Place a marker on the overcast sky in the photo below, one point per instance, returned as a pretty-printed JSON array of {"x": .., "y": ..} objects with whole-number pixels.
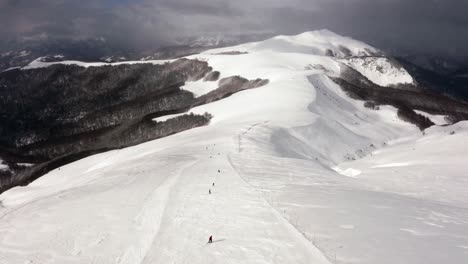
[{"x": 428, "y": 26}]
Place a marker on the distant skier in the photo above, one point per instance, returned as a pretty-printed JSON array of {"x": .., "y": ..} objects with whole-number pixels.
[
  {"x": 213, "y": 184},
  {"x": 219, "y": 171},
  {"x": 209, "y": 191},
  {"x": 210, "y": 240}
]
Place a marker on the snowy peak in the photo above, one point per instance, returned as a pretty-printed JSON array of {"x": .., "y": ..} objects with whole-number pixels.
[
  {"x": 331, "y": 44},
  {"x": 334, "y": 50},
  {"x": 321, "y": 42}
]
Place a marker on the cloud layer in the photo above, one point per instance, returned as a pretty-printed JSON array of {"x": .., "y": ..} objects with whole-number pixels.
[{"x": 428, "y": 26}]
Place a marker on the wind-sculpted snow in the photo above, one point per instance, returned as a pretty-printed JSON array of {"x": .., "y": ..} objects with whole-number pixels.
[{"x": 301, "y": 170}]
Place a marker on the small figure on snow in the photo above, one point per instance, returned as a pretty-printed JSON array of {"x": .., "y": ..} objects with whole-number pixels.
[
  {"x": 219, "y": 171},
  {"x": 209, "y": 191},
  {"x": 210, "y": 240},
  {"x": 213, "y": 184}
]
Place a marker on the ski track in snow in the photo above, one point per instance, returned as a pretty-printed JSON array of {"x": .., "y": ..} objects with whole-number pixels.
[{"x": 148, "y": 221}]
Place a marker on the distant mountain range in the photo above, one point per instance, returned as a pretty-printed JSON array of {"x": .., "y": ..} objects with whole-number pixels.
[{"x": 21, "y": 53}]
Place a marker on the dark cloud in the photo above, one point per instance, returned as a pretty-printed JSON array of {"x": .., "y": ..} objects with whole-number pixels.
[{"x": 426, "y": 26}]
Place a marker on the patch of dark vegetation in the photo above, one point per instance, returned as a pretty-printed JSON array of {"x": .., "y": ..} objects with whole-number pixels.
[
  {"x": 232, "y": 53},
  {"x": 408, "y": 115},
  {"x": 212, "y": 76},
  {"x": 371, "y": 105},
  {"x": 227, "y": 87},
  {"x": 56, "y": 115},
  {"x": 359, "y": 87},
  {"x": 38, "y": 103}
]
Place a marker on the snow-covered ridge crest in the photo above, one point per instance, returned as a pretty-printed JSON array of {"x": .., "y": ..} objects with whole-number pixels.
[
  {"x": 320, "y": 42},
  {"x": 367, "y": 60}
]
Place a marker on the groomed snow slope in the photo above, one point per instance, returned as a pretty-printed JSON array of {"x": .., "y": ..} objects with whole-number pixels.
[{"x": 277, "y": 196}]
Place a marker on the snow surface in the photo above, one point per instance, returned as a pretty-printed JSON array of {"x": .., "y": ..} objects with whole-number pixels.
[
  {"x": 315, "y": 42},
  {"x": 11, "y": 68},
  {"x": 439, "y": 120},
  {"x": 167, "y": 117},
  {"x": 380, "y": 71},
  {"x": 200, "y": 87},
  {"x": 277, "y": 196},
  {"x": 3, "y": 166}
]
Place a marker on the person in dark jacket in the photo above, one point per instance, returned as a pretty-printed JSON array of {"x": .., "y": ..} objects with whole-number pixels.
[{"x": 210, "y": 240}]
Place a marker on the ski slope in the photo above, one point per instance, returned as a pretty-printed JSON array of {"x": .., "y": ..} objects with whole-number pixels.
[{"x": 306, "y": 175}]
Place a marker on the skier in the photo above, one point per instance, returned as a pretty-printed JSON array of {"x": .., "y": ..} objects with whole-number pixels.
[
  {"x": 219, "y": 171},
  {"x": 213, "y": 184},
  {"x": 209, "y": 191},
  {"x": 210, "y": 240}
]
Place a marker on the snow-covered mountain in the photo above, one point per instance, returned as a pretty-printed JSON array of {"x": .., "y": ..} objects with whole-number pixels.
[{"x": 315, "y": 166}]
